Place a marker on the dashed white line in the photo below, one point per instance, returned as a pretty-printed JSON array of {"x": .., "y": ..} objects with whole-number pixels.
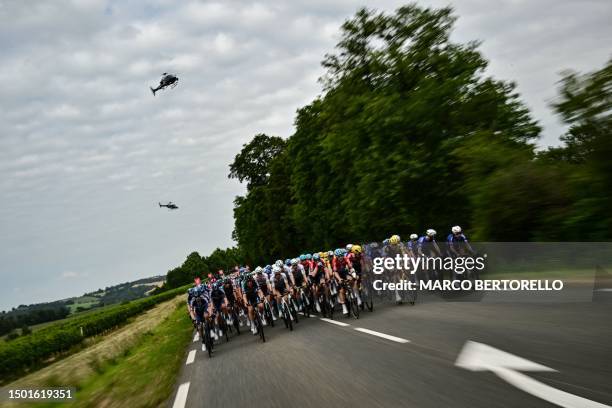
[
  {"x": 181, "y": 396},
  {"x": 190, "y": 357},
  {"x": 334, "y": 322},
  {"x": 383, "y": 335},
  {"x": 196, "y": 337}
]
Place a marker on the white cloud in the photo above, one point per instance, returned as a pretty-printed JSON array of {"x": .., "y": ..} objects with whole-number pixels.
[{"x": 88, "y": 151}]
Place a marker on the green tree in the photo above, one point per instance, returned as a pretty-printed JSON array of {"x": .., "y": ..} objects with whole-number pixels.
[
  {"x": 585, "y": 105},
  {"x": 252, "y": 163},
  {"x": 377, "y": 153}
]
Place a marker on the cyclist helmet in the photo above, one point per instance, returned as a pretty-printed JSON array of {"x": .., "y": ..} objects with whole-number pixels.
[
  {"x": 258, "y": 270},
  {"x": 278, "y": 262},
  {"x": 394, "y": 240},
  {"x": 302, "y": 257},
  {"x": 414, "y": 236},
  {"x": 338, "y": 252},
  {"x": 349, "y": 247},
  {"x": 295, "y": 261},
  {"x": 276, "y": 269},
  {"x": 374, "y": 245},
  {"x": 288, "y": 261},
  {"x": 356, "y": 249},
  {"x": 456, "y": 229},
  {"x": 308, "y": 257},
  {"x": 431, "y": 233},
  {"x": 330, "y": 253},
  {"x": 386, "y": 241},
  {"x": 316, "y": 256}
]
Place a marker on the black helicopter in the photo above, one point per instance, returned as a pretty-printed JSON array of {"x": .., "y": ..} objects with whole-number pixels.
[
  {"x": 170, "y": 205},
  {"x": 167, "y": 80}
]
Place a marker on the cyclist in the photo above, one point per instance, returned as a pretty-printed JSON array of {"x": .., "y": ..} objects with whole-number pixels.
[
  {"x": 265, "y": 288},
  {"x": 458, "y": 243},
  {"x": 428, "y": 247},
  {"x": 317, "y": 278},
  {"x": 305, "y": 263},
  {"x": 341, "y": 267},
  {"x": 355, "y": 256},
  {"x": 299, "y": 280},
  {"x": 219, "y": 301},
  {"x": 252, "y": 299},
  {"x": 200, "y": 305},
  {"x": 280, "y": 286},
  {"x": 412, "y": 244},
  {"x": 394, "y": 248},
  {"x": 191, "y": 293}
]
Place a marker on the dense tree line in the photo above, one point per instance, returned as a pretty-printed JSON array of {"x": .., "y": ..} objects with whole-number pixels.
[
  {"x": 410, "y": 133},
  {"x": 196, "y": 265},
  {"x": 30, "y": 315}
]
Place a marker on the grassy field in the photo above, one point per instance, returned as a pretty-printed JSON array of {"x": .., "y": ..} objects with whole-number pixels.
[
  {"x": 109, "y": 360},
  {"x": 144, "y": 376}
]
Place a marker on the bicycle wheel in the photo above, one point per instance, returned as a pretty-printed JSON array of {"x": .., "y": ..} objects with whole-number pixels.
[
  {"x": 288, "y": 321},
  {"x": 305, "y": 304},
  {"x": 268, "y": 314},
  {"x": 225, "y": 329},
  {"x": 208, "y": 339},
  {"x": 235, "y": 322},
  {"x": 323, "y": 305},
  {"x": 293, "y": 311},
  {"x": 260, "y": 328},
  {"x": 354, "y": 305}
]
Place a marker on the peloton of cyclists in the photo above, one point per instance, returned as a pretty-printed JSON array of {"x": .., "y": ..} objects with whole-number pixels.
[{"x": 318, "y": 276}]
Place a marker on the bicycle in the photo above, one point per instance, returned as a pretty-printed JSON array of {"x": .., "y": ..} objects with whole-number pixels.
[
  {"x": 259, "y": 325},
  {"x": 268, "y": 312},
  {"x": 350, "y": 299},
  {"x": 205, "y": 334},
  {"x": 284, "y": 311},
  {"x": 367, "y": 298}
]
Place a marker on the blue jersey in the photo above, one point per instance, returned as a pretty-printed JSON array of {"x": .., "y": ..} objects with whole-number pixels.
[
  {"x": 457, "y": 242},
  {"x": 200, "y": 296},
  {"x": 423, "y": 240},
  {"x": 427, "y": 246},
  {"x": 452, "y": 238},
  {"x": 412, "y": 245}
]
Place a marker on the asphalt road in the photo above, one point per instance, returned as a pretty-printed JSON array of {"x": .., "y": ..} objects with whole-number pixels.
[{"x": 321, "y": 364}]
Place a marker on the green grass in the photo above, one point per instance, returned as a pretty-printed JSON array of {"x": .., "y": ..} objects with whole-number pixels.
[{"x": 144, "y": 376}]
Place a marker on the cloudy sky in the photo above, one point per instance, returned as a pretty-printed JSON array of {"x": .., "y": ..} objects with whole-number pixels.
[{"x": 86, "y": 151}]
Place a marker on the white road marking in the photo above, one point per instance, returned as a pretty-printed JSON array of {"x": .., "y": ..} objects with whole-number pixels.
[
  {"x": 181, "y": 396},
  {"x": 196, "y": 337},
  {"x": 480, "y": 357},
  {"x": 383, "y": 335},
  {"x": 190, "y": 357},
  {"x": 334, "y": 322},
  {"x": 604, "y": 290}
]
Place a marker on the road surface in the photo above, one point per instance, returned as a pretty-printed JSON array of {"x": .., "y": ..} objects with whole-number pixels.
[{"x": 324, "y": 364}]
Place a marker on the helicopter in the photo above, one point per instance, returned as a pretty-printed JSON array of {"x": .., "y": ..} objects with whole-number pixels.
[
  {"x": 167, "y": 80},
  {"x": 170, "y": 205}
]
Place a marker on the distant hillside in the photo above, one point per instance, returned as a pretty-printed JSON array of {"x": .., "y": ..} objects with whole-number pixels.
[{"x": 24, "y": 316}]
